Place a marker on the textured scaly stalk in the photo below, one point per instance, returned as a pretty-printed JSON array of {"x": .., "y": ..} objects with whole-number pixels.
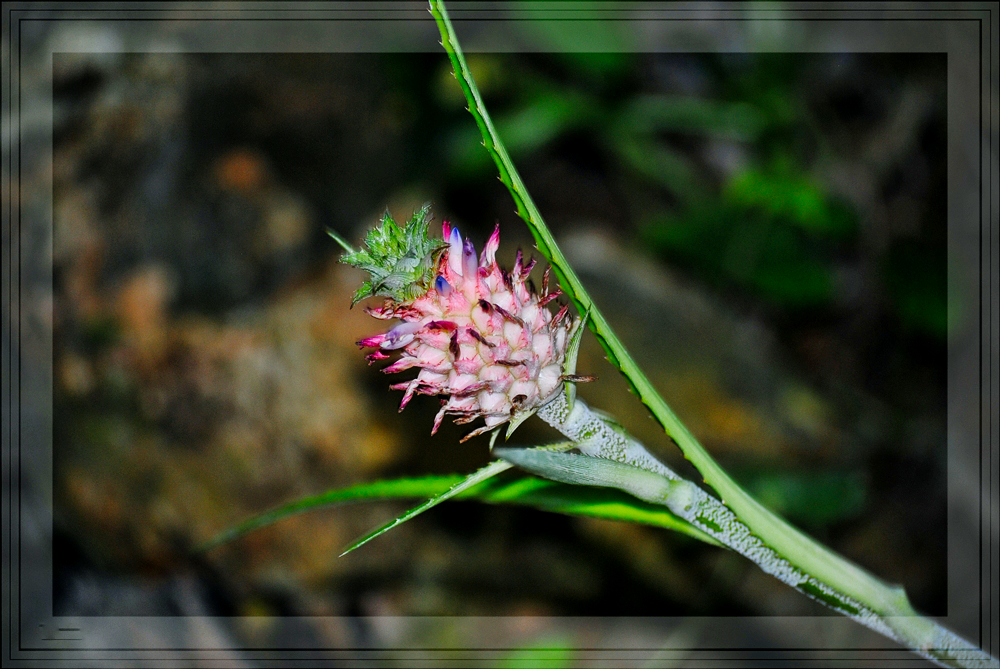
[{"x": 627, "y": 465}]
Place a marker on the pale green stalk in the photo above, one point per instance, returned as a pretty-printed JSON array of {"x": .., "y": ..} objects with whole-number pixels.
[{"x": 886, "y": 601}]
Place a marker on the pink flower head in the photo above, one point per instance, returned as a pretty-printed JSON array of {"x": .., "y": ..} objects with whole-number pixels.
[{"x": 481, "y": 337}]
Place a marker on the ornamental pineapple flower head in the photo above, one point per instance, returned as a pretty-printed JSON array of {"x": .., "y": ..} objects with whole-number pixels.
[{"x": 483, "y": 338}]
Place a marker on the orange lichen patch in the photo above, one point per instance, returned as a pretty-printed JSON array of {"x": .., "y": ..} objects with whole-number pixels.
[
  {"x": 312, "y": 543},
  {"x": 76, "y": 374},
  {"x": 82, "y": 294},
  {"x": 243, "y": 170},
  {"x": 225, "y": 418},
  {"x": 141, "y": 309},
  {"x": 94, "y": 498},
  {"x": 721, "y": 419},
  {"x": 377, "y": 448},
  {"x": 74, "y": 219},
  {"x": 331, "y": 322},
  {"x": 732, "y": 420},
  {"x": 288, "y": 222},
  {"x": 242, "y": 443}
]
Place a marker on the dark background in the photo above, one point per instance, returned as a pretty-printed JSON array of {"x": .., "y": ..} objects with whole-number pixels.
[{"x": 767, "y": 232}]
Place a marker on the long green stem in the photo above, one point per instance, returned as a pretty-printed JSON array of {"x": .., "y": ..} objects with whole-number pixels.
[{"x": 887, "y": 601}]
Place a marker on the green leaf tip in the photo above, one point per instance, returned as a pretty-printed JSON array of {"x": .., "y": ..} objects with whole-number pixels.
[
  {"x": 572, "y": 353},
  {"x": 515, "y": 422},
  {"x": 400, "y": 259},
  {"x": 344, "y": 244},
  {"x": 469, "y": 481}
]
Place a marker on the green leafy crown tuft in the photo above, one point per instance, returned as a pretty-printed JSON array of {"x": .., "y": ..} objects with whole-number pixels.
[{"x": 401, "y": 260}]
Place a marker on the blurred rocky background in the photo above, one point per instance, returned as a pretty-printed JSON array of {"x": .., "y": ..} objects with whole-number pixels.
[{"x": 766, "y": 231}]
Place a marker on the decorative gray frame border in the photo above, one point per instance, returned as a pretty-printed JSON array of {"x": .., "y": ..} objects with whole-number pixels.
[{"x": 32, "y": 637}]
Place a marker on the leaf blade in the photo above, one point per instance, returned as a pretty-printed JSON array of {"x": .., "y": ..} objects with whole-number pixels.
[
  {"x": 478, "y": 476},
  {"x": 524, "y": 490},
  {"x": 376, "y": 490}
]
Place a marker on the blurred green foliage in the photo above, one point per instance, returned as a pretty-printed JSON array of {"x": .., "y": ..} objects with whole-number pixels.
[
  {"x": 553, "y": 652},
  {"x": 917, "y": 280},
  {"x": 769, "y": 227},
  {"x": 758, "y": 218},
  {"x": 811, "y": 498},
  {"x": 770, "y": 230}
]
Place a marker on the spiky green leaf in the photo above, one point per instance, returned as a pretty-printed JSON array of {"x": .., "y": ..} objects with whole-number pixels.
[{"x": 401, "y": 260}]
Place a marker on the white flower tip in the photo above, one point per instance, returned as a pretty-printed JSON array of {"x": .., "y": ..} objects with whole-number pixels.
[
  {"x": 455, "y": 251},
  {"x": 400, "y": 336}
]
